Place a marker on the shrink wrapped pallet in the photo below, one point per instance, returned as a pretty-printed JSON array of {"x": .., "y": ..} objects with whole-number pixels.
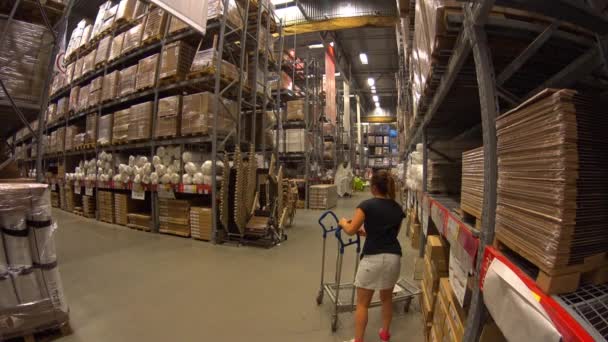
[
  {"x": 127, "y": 79},
  {"x": 24, "y": 60},
  {"x": 216, "y": 11},
  {"x": 141, "y": 8},
  {"x": 140, "y": 121},
  {"x": 296, "y": 140},
  {"x": 70, "y": 132},
  {"x": 323, "y": 196},
  {"x": 177, "y": 25},
  {"x": 201, "y": 223},
  {"x": 120, "y": 126},
  {"x": 169, "y": 115},
  {"x": 103, "y": 51},
  {"x": 105, "y": 127},
  {"x": 62, "y": 108},
  {"x": 100, "y": 18},
  {"x": 328, "y": 150},
  {"x": 73, "y": 103},
  {"x": 88, "y": 64},
  {"x": 132, "y": 39},
  {"x": 79, "y": 139},
  {"x": 109, "y": 90},
  {"x": 471, "y": 195},
  {"x": 116, "y": 47},
  {"x": 69, "y": 73},
  {"x": 78, "y": 68},
  {"x": 83, "y": 98},
  {"x": 75, "y": 38},
  {"x": 204, "y": 64},
  {"x": 125, "y": 11},
  {"x": 198, "y": 111},
  {"x": 155, "y": 25},
  {"x": 146, "y": 72},
  {"x": 91, "y": 129},
  {"x": 552, "y": 189},
  {"x": 174, "y": 217},
  {"x": 176, "y": 60},
  {"x": 108, "y": 19},
  {"x": 29, "y": 278},
  {"x": 51, "y": 113},
  {"x": 95, "y": 91},
  {"x": 285, "y": 81},
  {"x": 295, "y": 110}
]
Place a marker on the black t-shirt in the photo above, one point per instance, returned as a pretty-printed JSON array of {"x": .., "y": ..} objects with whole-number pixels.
[{"x": 382, "y": 223}]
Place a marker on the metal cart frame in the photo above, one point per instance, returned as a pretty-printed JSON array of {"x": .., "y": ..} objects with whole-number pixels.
[{"x": 405, "y": 291}]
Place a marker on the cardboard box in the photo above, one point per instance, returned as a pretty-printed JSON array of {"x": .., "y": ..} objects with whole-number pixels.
[
  {"x": 127, "y": 80},
  {"x": 169, "y": 115},
  {"x": 88, "y": 64},
  {"x": 95, "y": 91},
  {"x": 78, "y": 68},
  {"x": 73, "y": 103},
  {"x": 155, "y": 25},
  {"x": 198, "y": 112},
  {"x": 459, "y": 279},
  {"x": 430, "y": 276},
  {"x": 455, "y": 314},
  {"x": 176, "y": 60},
  {"x": 104, "y": 131},
  {"x": 103, "y": 51},
  {"x": 146, "y": 72},
  {"x": 426, "y": 304},
  {"x": 62, "y": 108},
  {"x": 91, "y": 129},
  {"x": 205, "y": 61},
  {"x": 440, "y": 315},
  {"x": 70, "y": 133},
  {"x": 83, "y": 98},
  {"x": 177, "y": 25},
  {"x": 116, "y": 47},
  {"x": 132, "y": 39},
  {"x": 125, "y": 11},
  {"x": 110, "y": 86},
  {"x": 140, "y": 121},
  {"x": 438, "y": 252},
  {"x": 416, "y": 231},
  {"x": 120, "y": 126}
]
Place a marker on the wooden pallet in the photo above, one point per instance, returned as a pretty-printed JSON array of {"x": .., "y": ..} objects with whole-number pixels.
[
  {"x": 174, "y": 232},
  {"x": 137, "y": 227},
  {"x": 51, "y": 334},
  {"x": 561, "y": 280},
  {"x": 143, "y": 88},
  {"x": 171, "y": 79},
  {"x": 86, "y": 146},
  {"x": 469, "y": 218}
]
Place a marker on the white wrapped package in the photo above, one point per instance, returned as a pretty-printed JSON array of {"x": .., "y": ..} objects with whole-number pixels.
[
  {"x": 9, "y": 296},
  {"x": 165, "y": 179},
  {"x": 156, "y": 160},
  {"x": 160, "y": 151},
  {"x": 186, "y": 179},
  {"x": 174, "y": 178},
  {"x": 154, "y": 178},
  {"x": 42, "y": 242},
  {"x": 198, "y": 178},
  {"x": 27, "y": 286},
  {"x": 131, "y": 160}
]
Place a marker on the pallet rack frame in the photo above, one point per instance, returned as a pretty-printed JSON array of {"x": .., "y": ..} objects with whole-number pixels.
[{"x": 472, "y": 40}]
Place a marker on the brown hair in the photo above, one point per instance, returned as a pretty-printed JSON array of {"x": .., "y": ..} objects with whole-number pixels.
[{"x": 384, "y": 183}]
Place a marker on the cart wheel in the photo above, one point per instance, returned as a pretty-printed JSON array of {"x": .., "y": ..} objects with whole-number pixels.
[
  {"x": 320, "y": 298},
  {"x": 334, "y": 324},
  {"x": 406, "y": 307}
]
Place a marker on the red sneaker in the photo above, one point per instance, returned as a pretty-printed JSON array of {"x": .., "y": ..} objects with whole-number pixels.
[{"x": 385, "y": 336}]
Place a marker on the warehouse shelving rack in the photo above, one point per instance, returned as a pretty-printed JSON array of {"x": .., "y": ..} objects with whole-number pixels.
[
  {"x": 472, "y": 38},
  {"x": 389, "y": 145},
  {"x": 231, "y": 43}
]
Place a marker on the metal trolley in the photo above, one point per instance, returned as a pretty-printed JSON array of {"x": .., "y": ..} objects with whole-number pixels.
[{"x": 342, "y": 295}]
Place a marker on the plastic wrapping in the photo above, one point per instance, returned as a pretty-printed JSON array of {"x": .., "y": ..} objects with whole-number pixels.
[
  {"x": 205, "y": 61},
  {"x": 109, "y": 90},
  {"x": 24, "y": 60},
  {"x": 215, "y": 10},
  {"x": 125, "y": 11},
  {"x": 177, "y": 25},
  {"x": 116, "y": 46},
  {"x": 75, "y": 38},
  {"x": 552, "y": 190},
  {"x": 70, "y": 133},
  {"x": 295, "y": 110},
  {"x": 169, "y": 115},
  {"x": 146, "y": 72},
  {"x": 51, "y": 113},
  {"x": 78, "y": 65},
  {"x": 296, "y": 140},
  {"x": 132, "y": 39},
  {"x": 120, "y": 126},
  {"x": 73, "y": 103},
  {"x": 140, "y": 121},
  {"x": 83, "y": 98},
  {"x": 176, "y": 60},
  {"x": 155, "y": 25},
  {"x": 197, "y": 114},
  {"x": 127, "y": 80},
  {"x": 103, "y": 51},
  {"x": 105, "y": 127},
  {"x": 95, "y": 91},
  {"x": 100, "y": 18},
  {"x": 88, "y": 64},
  {"x": 91, "y": 129}
]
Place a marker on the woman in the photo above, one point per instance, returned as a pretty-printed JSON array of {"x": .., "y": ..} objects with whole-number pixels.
[{"x": 381, "y": 257}]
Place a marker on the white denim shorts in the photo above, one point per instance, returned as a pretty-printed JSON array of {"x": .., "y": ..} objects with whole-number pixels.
[{"x": 378, "y": 271}]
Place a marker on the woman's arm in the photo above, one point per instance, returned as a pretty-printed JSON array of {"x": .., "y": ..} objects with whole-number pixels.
[{"x": 352, "y": 227}]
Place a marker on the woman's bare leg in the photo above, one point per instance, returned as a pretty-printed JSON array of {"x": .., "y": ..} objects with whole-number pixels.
[
  {"x": 364, "y": 297},
  {"x": 386, "y": 296}
]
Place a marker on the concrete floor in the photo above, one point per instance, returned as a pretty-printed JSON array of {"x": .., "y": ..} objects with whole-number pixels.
[{"x": 127, "y": 285}]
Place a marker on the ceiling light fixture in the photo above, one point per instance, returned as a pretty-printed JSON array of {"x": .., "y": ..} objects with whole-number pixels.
[
  {"x": 371, "y": 82},
  {"x": 373, "y": 90},
  {"x": 337, "y": 74},
  {"x": 363, "y": 58},
  {"x": 315, "y": 46},
  {"x": 375, "y": 97},
  {"x": 377, "y": 104}
]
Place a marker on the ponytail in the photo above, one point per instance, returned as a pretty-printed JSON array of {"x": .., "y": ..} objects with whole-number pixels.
[{"x": 390, "y": 188}]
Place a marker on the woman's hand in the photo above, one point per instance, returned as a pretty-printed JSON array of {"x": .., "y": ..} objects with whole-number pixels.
[
  {"x": 343, "y": 223},
  {"x": 361, "y": 232}
]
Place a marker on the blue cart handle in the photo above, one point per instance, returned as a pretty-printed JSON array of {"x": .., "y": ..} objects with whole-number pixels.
[
  {"x": 356, "y": 241},
  {"x": 332, "y": 228}
]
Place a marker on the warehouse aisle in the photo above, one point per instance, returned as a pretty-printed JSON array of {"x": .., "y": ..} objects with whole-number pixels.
[{"x": 126, "y": 285}]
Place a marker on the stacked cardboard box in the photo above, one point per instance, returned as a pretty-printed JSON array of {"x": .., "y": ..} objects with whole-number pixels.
[
  {"x": 116, "y": 47},
  {"x": 120, "y": 126},
  {"x": 435, "y": 267},
  {"x": 88, "y": 64},
  {"x": 449, "y": 318},
  {"x": 205, "y": 61},
  {"x": 73, "y": 103},
  {"x": 177, "y": 25},
  {"x": 201, "y": 223},
  {"x": 104, "y": 13},
  {"x": 62, "y": 108},
  {"x": 78, "y": 65},
  {"x": 198, "y": 111},
  {"x": 155, "y": 25},
  {"x": 103, "y": 51},
  {"x": 70, "y": 200},
  {"x": 106, "y": 206},
  {"x": 83, "y": 98},
  {"x": 132, "y": 39},
  {"x": 169, "y": 115},
  {"x": 323, "y": 196},
  {"x": 146, "y": 72},
  {"x": 127, "y": 80},
  {"x": 233, "y": 15},
  {"x": 51, "y": 113},
  {"x": 140, "y": 121},
  {"x": 174, "y": 217},
  {"x": 91, "y": 129},
  {"x": 296, "y": 140},
  {"x": 88, "y": 206},
  {"x": 295, "y": 110},
  {"x": 70, "y": 134},
  {"x": 105, "y": 127},
  {"x": 79, "y": 36},
  {"x": 110, "y": 86},
  {"x": 176, "y": 60},
  {"x": 121, "y": 209},
  {"x": 95, "y": 91},
  {"x": 140, "y": 221},
  {"x": 125, "y": 11}
]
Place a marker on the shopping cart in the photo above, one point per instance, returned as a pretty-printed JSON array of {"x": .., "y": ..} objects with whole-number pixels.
[{"x": 342, "y": 295}]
